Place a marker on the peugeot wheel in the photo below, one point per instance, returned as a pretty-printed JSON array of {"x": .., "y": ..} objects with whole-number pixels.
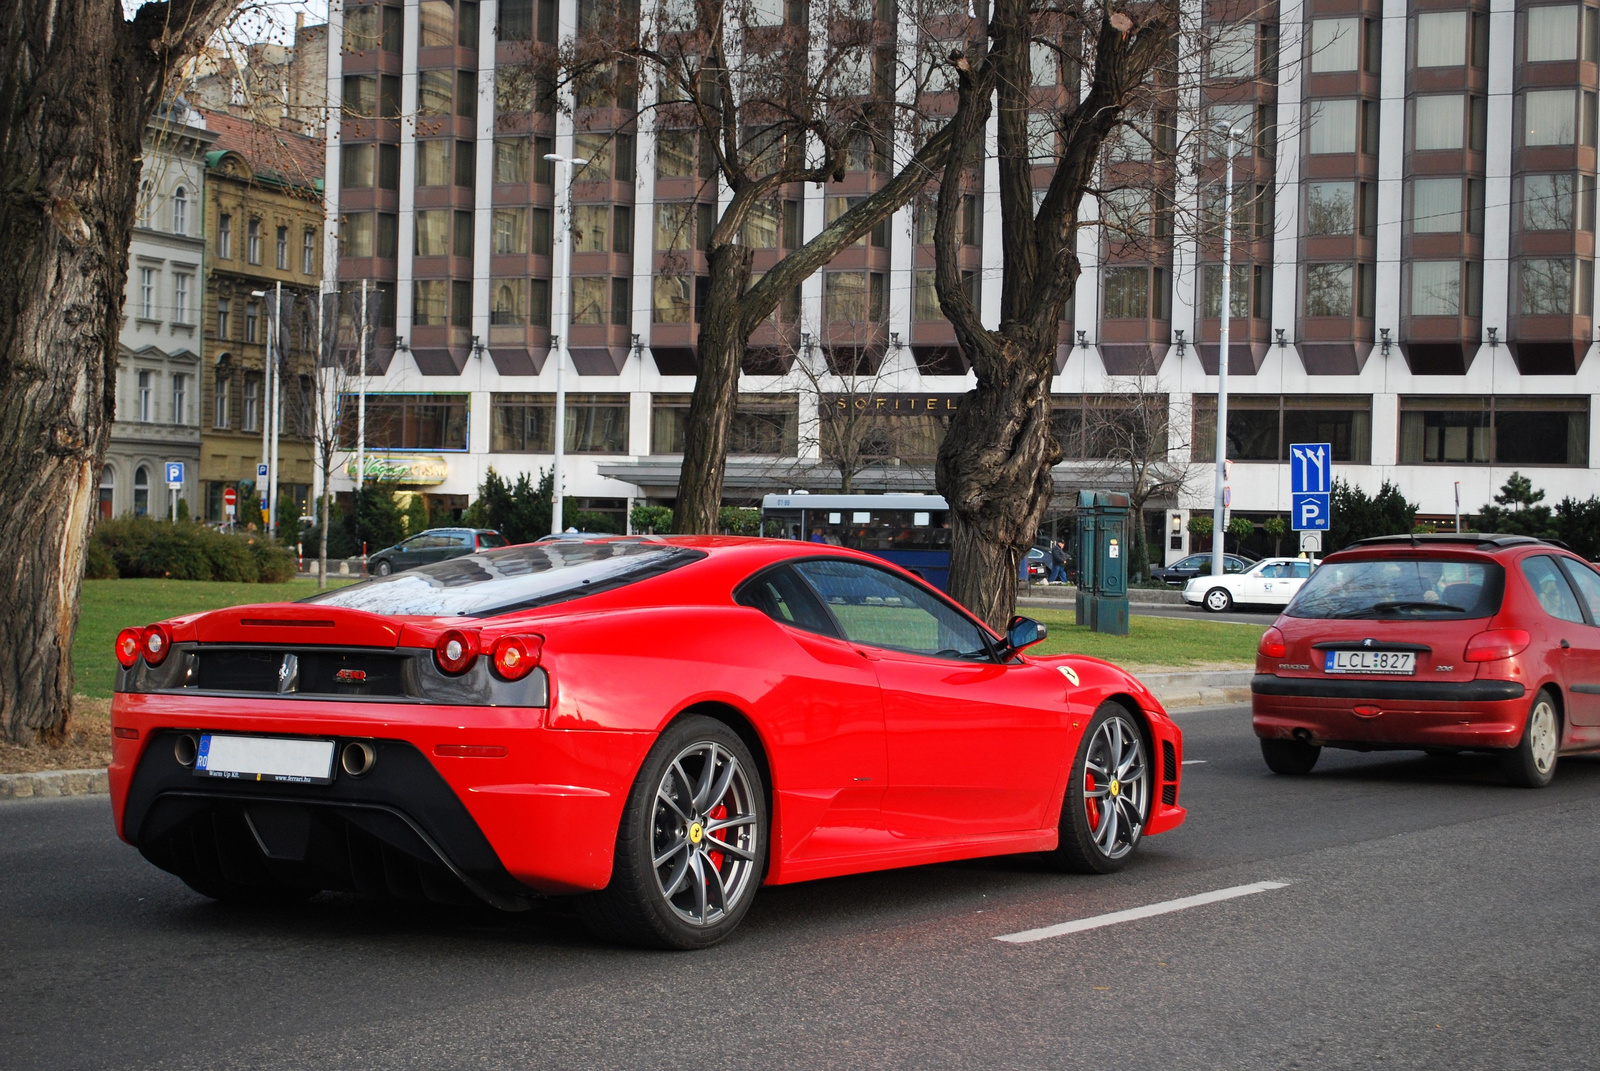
[
  {"x": 1292, "y": 758},
  {"x": 382, "y": 568},
  {"x": 1108, "y": 795},
  {"x": 691, "y": 848},
  {"x": 1532, "y": 763}
]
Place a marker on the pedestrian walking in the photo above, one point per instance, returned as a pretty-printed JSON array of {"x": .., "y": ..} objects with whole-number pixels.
[{"x": 1058, "y": 563}]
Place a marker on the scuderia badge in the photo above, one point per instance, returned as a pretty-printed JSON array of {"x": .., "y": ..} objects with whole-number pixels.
[{"x": 1069, "y": 673}]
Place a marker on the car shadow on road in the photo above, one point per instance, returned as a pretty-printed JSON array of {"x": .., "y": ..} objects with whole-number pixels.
[{"x": 1465, "y": 768}]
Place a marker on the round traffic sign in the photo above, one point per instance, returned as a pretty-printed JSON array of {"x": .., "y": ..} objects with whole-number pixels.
[{"x": 230, "y": 497}]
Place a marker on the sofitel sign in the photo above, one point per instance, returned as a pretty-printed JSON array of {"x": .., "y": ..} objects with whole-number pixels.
[
  {"x": 391, "y": 469},
  {"x": 895, "y": 403}
]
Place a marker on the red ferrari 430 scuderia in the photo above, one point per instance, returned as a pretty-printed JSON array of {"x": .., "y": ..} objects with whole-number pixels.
[{"x": 657, "y": 725}]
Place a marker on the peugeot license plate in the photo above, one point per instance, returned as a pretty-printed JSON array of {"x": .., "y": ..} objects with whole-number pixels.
[
  {"x": 1365, "y": 661},
  {"x": 265, "y": 758}
]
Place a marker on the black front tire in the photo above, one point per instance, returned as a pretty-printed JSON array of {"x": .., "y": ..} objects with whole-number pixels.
[
  {"x": 635, "y": 909},
  {"x": 1082, "y": 848},
  {"x": 1292, "y": 758},
  {"x": 382, "y": 568}
]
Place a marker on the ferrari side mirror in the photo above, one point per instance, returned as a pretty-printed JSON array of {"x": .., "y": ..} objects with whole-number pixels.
[{"x": 1024, "y": 632}]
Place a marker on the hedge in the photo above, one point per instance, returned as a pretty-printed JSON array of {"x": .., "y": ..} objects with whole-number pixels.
[{"x": 182, "y": 550}]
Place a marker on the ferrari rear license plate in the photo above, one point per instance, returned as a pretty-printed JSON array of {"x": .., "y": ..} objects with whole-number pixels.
[
  {"x": 1364, "y": 661},
  {"x": 265, "y": 758}
]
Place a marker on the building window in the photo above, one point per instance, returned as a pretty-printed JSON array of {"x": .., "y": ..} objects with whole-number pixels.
[
  {"x": 252, "y": 403},
  {"x": 1329, "y": 289},
  {"x": 1435, "y": 288},
  {"x": 430, "y": 302},
  {"x": 141, "y": 491},
  {"x": 589, "y": 299},
  {"x": 1335, "y": 45},
  {"x": 180, "y": 211},
  {"x": 1549, "y": 117},
  {"x": 308, "y": 252},
  {"x": 108, "y": 489},
  {"x": 252, "y": 320},
  {"x": 672, "y": 299},
  {"x": 1239, "y": 291},
  {"x": 355, "y": 234},
  {"x": 1335, "y": 126},
  {"x": 1545, "y": 287},
  {"x": 1441, "y": 38},
  {"x": 283, "y": 249},
  {"x": 1500, "y": 431},
  {"x": 1557, "y": 202},
  {"x": 225, "y": 236},
  {"x": 436, "y": 23},
  {"x": 853, "y": 297},
  {"x": 147, "y": 293},
  {"x": 1552, "y": 33},
  {"x": 1263, "y": 427},
  {"x": 433, "y": 232},
  {"x": 763, "y": 424},
  {"x": 433, "y": 163},
  {"x": 180, "y": 297},
  {"x": 461, "y": 303},
  {"x": 146, "y": 402},
  {"x": 539, "y": 302},
  {"x": 509, "y": 231},
  {"x": 600, "y": 150},
  {"x": 1335, "y": 208},
  {"x": 253, "y": 242},
  {"x": 509, "y": 306},
  {"x": 511, "y": 161},
  {"x": 1127, "y": 293},
  {"x": 1438, "y": 122},
  {"x": 224, "y": 318},
  {"x": 221, "y": 414},
  {"x": 408, "y": 421},
  {"x": 180, "y": 398},
  {"x": 524, "y": 423}
]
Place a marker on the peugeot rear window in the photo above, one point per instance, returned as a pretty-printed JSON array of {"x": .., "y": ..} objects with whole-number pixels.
[
  {"x": 1410, "y": 588},
  {"x": 511, "y": 578}
]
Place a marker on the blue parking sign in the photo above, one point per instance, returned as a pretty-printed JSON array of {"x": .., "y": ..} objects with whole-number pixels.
[
  {"x": 174, "y": 474},
  {"x": 1309, "y": 513}
]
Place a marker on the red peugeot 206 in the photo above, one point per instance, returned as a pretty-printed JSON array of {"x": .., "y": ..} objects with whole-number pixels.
[
  {"x": 656, "y": 725},
  {"x": 1440, "y": 643}
]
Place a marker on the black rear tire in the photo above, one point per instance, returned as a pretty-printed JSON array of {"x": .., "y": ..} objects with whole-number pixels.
[
  {"x": 635, "y": 908},
  {"x": 382, "y": 568},
  {"x": 1291, "y": 758},
  {"x": 1532, "y": 763}
]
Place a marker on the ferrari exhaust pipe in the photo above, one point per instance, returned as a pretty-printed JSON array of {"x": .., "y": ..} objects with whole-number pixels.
[
  {"x": 186, "y": 749},
  {"x": 357, "y": 758}
]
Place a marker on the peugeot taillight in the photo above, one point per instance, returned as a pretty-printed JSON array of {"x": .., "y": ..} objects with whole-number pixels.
[
  {"x": 1272, "y": 644},
  {"x": 129, "y": 643},
  {"x": 156, "y": 641},
  {"x": 1496, "y": 644},
  {"x": 516, "y": 656},
  {"x": 456, "y": 651}
]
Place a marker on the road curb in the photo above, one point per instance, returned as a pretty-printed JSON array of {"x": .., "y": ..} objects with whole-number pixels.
[
  {"x": 53, "y": 783},
  {"x": 1204, "y": 688}
]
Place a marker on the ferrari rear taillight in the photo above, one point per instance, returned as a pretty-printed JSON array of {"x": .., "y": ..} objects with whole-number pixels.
[
  {"x": 1272, "y": 644},
  {"x": 129, "y": 642},
  {"x": 456, "y": 651},
  {"x": 1496, "y": 644},
  {"x": 516, "y": 656},
  {"x": 156, "y": 641}
]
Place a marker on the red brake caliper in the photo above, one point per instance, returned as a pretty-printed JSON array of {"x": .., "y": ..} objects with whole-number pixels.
[
  {"x": 1091, "y": 805},
  {"x": 716, "y": 814}
]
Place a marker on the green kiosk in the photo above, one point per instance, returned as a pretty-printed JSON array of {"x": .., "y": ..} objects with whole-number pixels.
[{"x": 1103, "y": 561}]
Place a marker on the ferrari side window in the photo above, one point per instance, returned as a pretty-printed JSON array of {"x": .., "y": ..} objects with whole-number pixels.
[
  {"x": 878, "y": 609},
  {"x": 786, "y": 599}
]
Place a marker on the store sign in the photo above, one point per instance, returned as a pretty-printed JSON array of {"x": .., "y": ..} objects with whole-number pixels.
[
  {"x": 895, "y": 403},
  {"x": 389, "y": 468}
]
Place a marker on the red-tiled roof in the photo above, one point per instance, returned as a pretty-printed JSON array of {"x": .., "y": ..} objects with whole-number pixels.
[{"x": 281, "y": 154}]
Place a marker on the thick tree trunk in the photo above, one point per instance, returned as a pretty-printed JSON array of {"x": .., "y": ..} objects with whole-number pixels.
[
  {"x": 77, "y": 86},
  {"x": 994, "y": 471},
  {"x": 716, "y": 390}
]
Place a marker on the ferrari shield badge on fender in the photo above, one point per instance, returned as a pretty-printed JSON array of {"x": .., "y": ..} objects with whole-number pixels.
[{"x": 1069, "y": 673}]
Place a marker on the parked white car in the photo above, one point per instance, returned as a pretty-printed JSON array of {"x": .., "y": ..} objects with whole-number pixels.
[{"x": 1269, "y": 582}]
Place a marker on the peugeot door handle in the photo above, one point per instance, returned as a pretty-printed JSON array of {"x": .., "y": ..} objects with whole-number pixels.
[{"x": 1565, "y": 645}]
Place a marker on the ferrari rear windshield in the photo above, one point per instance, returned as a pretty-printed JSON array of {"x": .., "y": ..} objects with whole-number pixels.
[
  {"x": 511, "y": 578},
  {"x": 1434, "y": 589}
]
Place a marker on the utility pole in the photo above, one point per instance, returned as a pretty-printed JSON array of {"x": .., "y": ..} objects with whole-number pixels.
[
  {"x": 275, "y": 356},
  {"x": 563, "y": 325},
  {"x": 1218, "y": 508},
  {"x": 361, "y": 400}
]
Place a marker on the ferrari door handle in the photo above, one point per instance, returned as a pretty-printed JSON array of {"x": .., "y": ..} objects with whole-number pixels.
[{"x": 868, "y": 655}]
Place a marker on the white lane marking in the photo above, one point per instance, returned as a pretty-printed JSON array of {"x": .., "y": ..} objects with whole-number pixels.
[
  {"x": 1194, "y": 762},
  {"x": 1165, "y": 907}
]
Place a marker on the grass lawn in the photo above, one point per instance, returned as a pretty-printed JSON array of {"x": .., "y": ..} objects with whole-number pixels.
[
  {"x": 1152, "y": 641},
  {"x": 109, "y": 606}
]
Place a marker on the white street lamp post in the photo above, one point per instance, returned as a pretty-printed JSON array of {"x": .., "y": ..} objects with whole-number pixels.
[
  {"x": 1218, "y": 508},
  {"x": 563, "y": 326}
]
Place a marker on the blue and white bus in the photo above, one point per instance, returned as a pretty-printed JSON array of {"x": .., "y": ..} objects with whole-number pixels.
[{"x": 913, "y": 531}]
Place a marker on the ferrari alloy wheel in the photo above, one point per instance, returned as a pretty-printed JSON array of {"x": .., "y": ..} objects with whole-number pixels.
[
  {"x": 692, "y": 845},
  {"x": 1532, "y": 763},
  {"x": 1218, "y": 601},
  {"x": 1108, "y": 795}
]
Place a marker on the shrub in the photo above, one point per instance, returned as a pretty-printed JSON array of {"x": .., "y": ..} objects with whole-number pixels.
[
  {"x": 182, "y": 550},
  {"x": 734, "y": 520},
  {"x": 99, "y": 566},
  {"x": 652, "y": 520}
]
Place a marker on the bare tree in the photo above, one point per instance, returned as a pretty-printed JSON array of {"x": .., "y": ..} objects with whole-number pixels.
[
  {"x": 773, "y": 103},
  {"x": 1136, "y": 442},
  {"x": 79, "y": 82},
  {"x": 338, "y": 366}
]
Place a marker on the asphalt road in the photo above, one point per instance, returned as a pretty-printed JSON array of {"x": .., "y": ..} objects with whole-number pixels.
[{"x": 1433, "y": 917}]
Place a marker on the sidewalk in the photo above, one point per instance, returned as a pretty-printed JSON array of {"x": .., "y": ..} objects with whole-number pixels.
[{"x": 1058, "y": 596}]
